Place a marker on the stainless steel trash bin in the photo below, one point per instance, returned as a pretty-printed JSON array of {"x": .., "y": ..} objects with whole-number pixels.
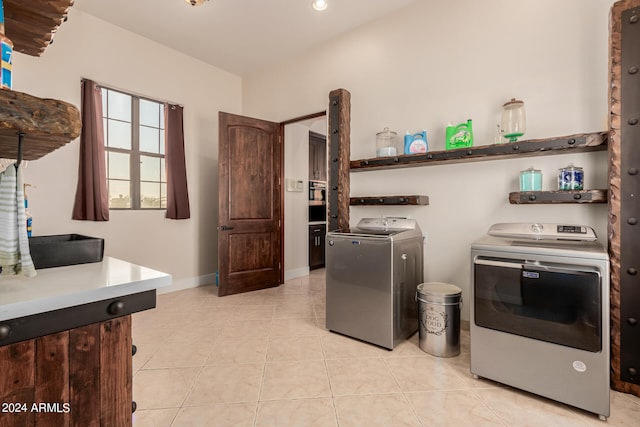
[{"x": 439, "y": 317}]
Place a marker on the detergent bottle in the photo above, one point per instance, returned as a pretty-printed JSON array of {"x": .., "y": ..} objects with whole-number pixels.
[
  {"x": 415, "y": 143},
  {"x": 6, "y": 53},
  {"x": 459, "y": 136}
]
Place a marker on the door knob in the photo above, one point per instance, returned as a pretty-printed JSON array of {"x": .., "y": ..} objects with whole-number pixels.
[{"x": 224, "y": 228}]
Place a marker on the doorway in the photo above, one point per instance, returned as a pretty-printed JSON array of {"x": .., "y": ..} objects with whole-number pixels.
[{"x": 300, "y": 236}]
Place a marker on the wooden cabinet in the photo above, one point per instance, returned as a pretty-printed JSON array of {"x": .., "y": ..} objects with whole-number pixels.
[
  {"x": 78, "y": 377},
  {"x": 317, "y": 157},
  {"x": 317, "y": 235}
]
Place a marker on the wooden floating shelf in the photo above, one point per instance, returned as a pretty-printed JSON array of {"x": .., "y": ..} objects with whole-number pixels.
[
  {"x": 534, "y": 147},
  {"x": 47, "y": 124},
  {"x": 389, "y": 200},
  {"x": 551, "y": 197},
  {"x": 31, "y": 25}
]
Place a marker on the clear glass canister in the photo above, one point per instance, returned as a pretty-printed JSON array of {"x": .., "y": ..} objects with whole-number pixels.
[
  {"x": 571, "y": 178},
  {"x": 531, "y": 180},
  {"x": 514, "y": 119},
  {"x": 386, "y": 144}
]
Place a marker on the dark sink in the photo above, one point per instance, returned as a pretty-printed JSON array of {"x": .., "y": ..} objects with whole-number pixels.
[{"x": 65, "y": 249}]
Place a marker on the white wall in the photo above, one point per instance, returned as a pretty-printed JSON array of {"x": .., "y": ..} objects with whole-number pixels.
[
  {"x": 87, "y": 47},
  {"x": 435, "y": 62}
]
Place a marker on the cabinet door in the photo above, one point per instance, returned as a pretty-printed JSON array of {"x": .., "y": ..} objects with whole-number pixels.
[
  {"x": 317, "y": 157},
  {"x": 316, "y": 246}
]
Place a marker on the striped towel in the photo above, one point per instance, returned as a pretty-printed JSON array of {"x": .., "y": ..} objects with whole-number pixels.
[{"x": 14, "y": 243}]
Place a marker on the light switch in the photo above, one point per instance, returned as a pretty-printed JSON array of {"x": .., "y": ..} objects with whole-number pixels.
[{"x": 294, "y": 185}]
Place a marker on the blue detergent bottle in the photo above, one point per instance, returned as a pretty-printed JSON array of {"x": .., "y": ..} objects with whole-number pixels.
[{"x": 416, "y": 143}]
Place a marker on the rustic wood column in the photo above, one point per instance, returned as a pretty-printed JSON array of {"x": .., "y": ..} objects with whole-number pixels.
[
  {"x": 339, "y": 153},
  {"x": 624, "y": 195}
]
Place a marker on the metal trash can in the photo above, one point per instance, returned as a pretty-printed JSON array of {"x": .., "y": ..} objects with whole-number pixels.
[{"x": 439, "y": 317}]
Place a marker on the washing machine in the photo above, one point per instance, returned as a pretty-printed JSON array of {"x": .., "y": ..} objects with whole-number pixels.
[{"x": 372, "y": 272}]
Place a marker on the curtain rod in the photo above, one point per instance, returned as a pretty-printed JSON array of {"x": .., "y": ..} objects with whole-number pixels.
[{"x": 106, "y": 86}]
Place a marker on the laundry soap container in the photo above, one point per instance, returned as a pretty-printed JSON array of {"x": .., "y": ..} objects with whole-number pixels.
[{"x": 439, "y": 306}]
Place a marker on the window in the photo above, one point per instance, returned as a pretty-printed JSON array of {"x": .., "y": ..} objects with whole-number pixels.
[{"x": 134, "y": 151}]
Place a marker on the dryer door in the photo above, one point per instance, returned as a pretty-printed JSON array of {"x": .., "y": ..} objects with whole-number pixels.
[{"x": 556, "y": 303}]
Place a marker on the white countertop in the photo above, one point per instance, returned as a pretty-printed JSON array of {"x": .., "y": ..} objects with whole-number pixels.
[{"x": 62, "y": 287}]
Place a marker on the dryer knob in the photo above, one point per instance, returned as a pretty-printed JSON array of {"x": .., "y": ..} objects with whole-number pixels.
[
  {"x": 536, "y": 228},
  {"x": 330, "y": 242}
]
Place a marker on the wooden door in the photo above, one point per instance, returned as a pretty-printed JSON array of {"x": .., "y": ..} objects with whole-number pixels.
[{"x": 250, "y": 204}]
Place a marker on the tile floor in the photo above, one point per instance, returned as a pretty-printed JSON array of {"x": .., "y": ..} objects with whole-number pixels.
[{"x": 265, "y": 359}]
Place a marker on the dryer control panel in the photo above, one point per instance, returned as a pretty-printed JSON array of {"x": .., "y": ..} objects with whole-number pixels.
[{"x": 543, "y": 231}]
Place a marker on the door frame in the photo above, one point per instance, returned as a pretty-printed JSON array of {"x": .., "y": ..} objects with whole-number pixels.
[{"x": 282, "y": 187}]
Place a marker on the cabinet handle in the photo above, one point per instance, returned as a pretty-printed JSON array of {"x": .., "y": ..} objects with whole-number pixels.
[
  {"x": 5, "y": 331},
  {"x": 116, "y": 307}
]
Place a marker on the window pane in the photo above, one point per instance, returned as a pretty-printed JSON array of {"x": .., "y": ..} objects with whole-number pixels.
[
  {"x": 119, "y": 194},
  {"x": 119, "y": 106},
  {"x": 162, "y": 142},
  {"x": 149, "y": 168},
  {"x": 149, "y": 195},
  {"x": 119, "y": 166},
  {"x": 163, "y": 194},
  {"x": 163, "y": 170},
  {"x": 149, "y": 113},
  {"x": 161, "y": 116},
  {"x": 119, "y": 134},
  {"x": 105, "y": 94},
  {"x": 149, "y": 139}
]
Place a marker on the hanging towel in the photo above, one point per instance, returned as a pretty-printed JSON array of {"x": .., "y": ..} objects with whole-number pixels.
[{"x": 14, "y": 243}]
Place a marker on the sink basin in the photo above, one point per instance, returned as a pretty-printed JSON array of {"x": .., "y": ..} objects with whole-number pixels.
[{"x": 65, "y": 249}]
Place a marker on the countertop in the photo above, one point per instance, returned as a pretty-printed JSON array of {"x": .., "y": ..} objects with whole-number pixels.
[{"x": 63, "y": 287}]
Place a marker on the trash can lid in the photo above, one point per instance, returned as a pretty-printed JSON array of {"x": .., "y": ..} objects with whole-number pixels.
[{"x": 438, "y": 289}]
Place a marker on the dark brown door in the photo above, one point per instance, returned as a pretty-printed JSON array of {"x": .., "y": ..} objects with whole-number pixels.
[{"x": 250, "y": 204}]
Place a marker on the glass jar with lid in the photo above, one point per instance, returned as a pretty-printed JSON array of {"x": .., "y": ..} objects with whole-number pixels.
[
  {"x": 386, "y": 144},
  {"x": 514, "y": 120},
  {"x": 531, "y": 180},
  {"x": 570, "y": 178}
]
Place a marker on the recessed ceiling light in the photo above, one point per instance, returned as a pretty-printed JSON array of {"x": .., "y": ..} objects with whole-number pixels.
[
  {"x": 195, "y": 2},
  {"x": 319, "y": 4}
]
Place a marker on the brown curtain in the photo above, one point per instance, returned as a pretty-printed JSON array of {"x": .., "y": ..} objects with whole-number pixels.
[
  {"x": 92, "y": 200},
  {"x": 177, "y": 194}
]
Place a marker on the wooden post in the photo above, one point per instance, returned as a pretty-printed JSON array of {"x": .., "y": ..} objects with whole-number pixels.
[
  {"x": 624, "y": 182},
  {"x": 339, "y": 153}
]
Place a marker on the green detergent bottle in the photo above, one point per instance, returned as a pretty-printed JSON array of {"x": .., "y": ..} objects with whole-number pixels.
[{"x": 459, "y": 136}]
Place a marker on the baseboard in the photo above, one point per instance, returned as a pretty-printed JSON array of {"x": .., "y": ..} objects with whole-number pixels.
[
  {"x": 298, "y": 272},
  {"x": 192, "y": 282}
]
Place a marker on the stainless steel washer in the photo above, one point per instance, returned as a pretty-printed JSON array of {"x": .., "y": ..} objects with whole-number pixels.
[
  {"x": 540, "y": 312},
  {"x": 372, "y": 272}
]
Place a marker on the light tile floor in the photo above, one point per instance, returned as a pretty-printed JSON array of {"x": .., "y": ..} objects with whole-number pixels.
[{"x": 265, "y": 359}]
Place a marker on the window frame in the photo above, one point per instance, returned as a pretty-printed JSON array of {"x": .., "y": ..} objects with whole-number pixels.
[{"x": 135, "y": 153}]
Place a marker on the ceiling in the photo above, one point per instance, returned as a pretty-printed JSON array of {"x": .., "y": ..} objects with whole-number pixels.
[{"x": 240, "y": 36}]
